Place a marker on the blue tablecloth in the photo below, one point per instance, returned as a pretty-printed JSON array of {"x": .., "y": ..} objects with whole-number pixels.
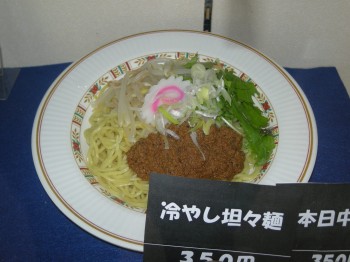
[{"x": 32, "y": 228}]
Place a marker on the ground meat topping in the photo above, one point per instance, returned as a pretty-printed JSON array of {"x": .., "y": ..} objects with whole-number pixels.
[{"x": 222, "y": 149}]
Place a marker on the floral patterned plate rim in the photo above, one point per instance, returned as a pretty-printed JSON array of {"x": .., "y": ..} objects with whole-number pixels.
[{"x": 53, "y": 146}]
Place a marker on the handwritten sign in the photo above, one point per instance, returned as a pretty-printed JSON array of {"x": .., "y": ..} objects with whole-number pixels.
[{"x": 204, "y": 220}]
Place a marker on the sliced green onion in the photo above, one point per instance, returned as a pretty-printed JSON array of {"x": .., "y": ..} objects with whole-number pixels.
[{"x": 168, "y": 116}]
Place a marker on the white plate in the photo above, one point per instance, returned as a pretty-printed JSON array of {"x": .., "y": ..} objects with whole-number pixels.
[{"x": 58, "y": 165}]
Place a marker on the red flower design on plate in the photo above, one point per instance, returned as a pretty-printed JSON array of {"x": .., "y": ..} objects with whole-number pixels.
[
  {"x": 76, "y": 146},
  {"x": 265, "y": 166},
  {"x": 151, "y": 57},
  {"x": 266, "y": 106},
  {"x": 94, "y": 89}
]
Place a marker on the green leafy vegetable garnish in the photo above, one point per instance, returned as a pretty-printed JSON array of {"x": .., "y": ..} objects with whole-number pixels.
[{"x": 243, "y": 110}]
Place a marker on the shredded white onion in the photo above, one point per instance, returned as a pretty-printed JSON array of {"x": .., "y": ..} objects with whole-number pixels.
[
  {"x": 193, "y": 136},
  {"x": 172, "y": 133}
]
